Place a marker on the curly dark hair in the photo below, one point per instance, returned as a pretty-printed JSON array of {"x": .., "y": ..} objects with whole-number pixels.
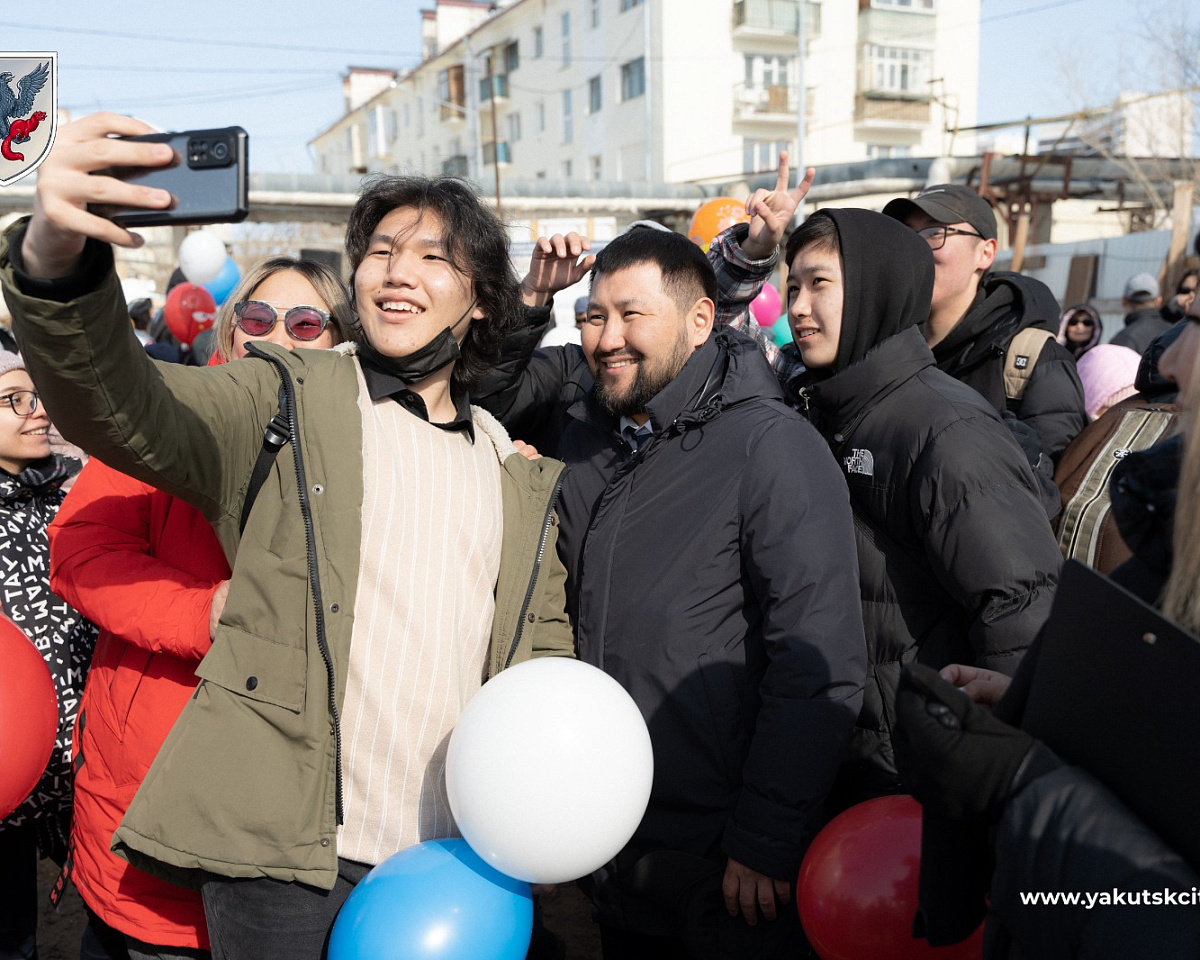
[{"x": 476, "y": 243}]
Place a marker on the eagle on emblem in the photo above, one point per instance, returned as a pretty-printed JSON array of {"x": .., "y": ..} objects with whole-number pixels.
[{"x": 14, "y": 106}]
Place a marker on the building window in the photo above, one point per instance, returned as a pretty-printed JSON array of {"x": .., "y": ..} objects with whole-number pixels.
[
  {"x": 762, "y": 156},
  {"x": 512, "y": 57},
  {"x": 630, "y": 4},
  {"x": 595, "y": 13},
  {"x": 539, "y": 43},
  {"x": 897, "y": 69},
  {"x": 568, "y": 120},
  {"x": 514, "y": 127},
  {"x": 910, "y": 4},
  {"x": 768, "y": 71},
  {"x": 596, "y": 161},
  {"x": 541, "y": 116},
  {"x": 566, "y": 39},
  {"x": 633, "y": 78},
  {"x": 594, "y": 95},
  {"x": 566, "y": 169}
]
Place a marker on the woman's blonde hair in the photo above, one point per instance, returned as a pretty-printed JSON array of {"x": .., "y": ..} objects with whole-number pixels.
[
  {"x": 1181, "y": 597},
  {"x": 324, "y": 281}
]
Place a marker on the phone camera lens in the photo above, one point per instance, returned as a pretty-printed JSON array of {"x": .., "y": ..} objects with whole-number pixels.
[{"x": 220, "y": 151}]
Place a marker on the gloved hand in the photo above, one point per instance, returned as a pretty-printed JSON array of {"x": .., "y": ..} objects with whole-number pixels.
[
  {"x": 953, "y": 755},
  {"x": 1026, "y": 436}
]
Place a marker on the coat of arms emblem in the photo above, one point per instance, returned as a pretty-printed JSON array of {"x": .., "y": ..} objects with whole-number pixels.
[{"x": 28, "y": 112}]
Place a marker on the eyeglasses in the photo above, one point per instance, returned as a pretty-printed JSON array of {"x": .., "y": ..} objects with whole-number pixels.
[
  {"x": 1081, "y": 322},
  {"x": 23, "y": 402},
  {"x": 936, "y": 236},
  {"x": 257, "y": 319}
]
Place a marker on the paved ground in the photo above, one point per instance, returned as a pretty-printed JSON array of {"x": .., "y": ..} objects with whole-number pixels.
[{"x": 566, "y": 911}]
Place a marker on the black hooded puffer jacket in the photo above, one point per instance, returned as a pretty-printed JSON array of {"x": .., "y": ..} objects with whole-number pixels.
[{"x": 957, "y": 562}]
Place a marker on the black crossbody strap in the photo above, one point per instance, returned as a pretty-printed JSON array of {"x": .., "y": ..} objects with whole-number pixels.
[{"x": 277, "y": 433}]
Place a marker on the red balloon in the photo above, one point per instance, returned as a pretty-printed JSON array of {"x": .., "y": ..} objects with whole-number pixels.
[
  {"x": 28, "y": 716},
  {"x": 188, "y": 310},
  {"x": 857, "y": 891}
]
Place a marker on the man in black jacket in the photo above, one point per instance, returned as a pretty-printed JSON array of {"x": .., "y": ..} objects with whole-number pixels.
[
  {"x": 1144, "y": 321},
  {"x": 977, "y": 314},
  {"x": 711, "y": 570}
]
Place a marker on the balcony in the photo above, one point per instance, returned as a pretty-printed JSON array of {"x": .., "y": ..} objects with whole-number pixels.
[
  {"x": 452, "y": 95},
  {"x": 494, "y": 150},
  {"x": 456, "y": 166},
  {"x": 881, "y": 109},
  {"x": 763, "y": 19},
  {"x": 764, "y": 103},
  {"x": 494, "y": 87}
]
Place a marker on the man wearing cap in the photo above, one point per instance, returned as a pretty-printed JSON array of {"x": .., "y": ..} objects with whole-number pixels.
[
  {"x": 977, "y": 314},
  {"x": 1144, "y": 321}
]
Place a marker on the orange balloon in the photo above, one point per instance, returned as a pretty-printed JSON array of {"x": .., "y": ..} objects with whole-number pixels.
[
  {"x": 713, "y": 217},
  {"x": 857, "y": 890},
  {"x": 28, "y": 716}
]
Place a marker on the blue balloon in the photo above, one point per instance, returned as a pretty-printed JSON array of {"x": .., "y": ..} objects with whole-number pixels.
[
  {"x": 437, "y": 899},
  {"x": 221, "y": 286},
  {"x": 782, "y": 331}
]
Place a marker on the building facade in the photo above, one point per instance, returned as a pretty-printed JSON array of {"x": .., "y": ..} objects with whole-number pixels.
[{"x": 662, "y": 91}]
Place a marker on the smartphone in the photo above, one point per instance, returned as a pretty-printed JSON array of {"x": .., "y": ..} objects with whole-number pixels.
[{"x": 208, "y": 180}]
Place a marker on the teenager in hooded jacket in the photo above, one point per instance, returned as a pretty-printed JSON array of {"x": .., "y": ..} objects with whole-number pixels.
[{"x": 956, "y": 558}]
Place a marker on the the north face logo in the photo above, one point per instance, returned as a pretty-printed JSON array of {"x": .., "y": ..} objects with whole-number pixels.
[
  {"x": 1021, "y": 363},
  {"x": 860, "y": 462}
]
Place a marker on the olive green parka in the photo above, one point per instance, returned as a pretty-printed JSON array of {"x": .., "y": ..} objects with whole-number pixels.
[{"x": 248, "y": 783}]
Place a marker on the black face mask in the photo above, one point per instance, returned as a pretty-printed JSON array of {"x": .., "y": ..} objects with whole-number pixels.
[{"x": 423, "y": 362}]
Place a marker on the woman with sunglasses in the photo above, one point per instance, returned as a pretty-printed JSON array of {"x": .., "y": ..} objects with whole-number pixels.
[
  {"x": 31, "y": 479},
  {"x": 1080, "y": 329},
  {"x": 150, "y": 571}
]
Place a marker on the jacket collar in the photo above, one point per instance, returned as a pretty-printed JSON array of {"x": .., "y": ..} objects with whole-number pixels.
[
  {"x": 840, "y": 399},
  {"x": 1005, "y": 304},
  {"x": 44, "y": 476},
  {"x": 728, "y": 368}
]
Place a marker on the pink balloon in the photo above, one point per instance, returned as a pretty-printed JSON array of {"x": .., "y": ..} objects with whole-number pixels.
[{"x": 767, "y": 306}]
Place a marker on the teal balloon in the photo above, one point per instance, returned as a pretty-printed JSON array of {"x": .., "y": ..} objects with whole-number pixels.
[
  {"x": 437, "y": 899},
  {"x": 222, "y": 285},
  {"x": 782, "y": 331}
]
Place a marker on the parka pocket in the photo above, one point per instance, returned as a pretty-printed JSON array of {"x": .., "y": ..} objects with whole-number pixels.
[{"x": 257, "y": 669}]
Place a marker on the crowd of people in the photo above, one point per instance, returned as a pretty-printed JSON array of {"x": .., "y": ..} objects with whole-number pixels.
[{"x": 823, "y": 572}]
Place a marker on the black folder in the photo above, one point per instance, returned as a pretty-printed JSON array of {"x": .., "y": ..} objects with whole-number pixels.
[{"x": 1116, "y": 690}]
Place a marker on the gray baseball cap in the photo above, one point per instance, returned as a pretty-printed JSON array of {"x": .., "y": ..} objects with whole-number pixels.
[
  {"x": 948, "y": 203},
  {"x": 1141, "y": 287}
]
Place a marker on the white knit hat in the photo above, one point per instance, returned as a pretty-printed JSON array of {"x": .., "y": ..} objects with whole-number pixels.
[{"x": 10, "y": 361}]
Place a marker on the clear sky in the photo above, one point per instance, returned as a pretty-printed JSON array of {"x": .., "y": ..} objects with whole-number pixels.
[{"x": 274, "y": 68}]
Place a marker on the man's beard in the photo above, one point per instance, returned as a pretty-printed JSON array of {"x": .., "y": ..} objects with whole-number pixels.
[{"x": 648, "y": 381}]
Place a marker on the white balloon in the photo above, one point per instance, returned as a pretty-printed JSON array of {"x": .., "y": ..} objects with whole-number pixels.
[
  {"x": 549, "y": 770},
  {"x": 201, "y": 256}
]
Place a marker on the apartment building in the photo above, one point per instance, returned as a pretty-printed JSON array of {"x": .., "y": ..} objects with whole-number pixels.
[{"x": 662, "y": 91}]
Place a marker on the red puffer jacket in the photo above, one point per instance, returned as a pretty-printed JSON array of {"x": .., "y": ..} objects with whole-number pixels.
[{"x": 143, "y": 566}]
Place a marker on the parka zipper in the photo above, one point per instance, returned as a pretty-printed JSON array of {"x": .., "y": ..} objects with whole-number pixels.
[
  {"x": 537, "y": 565},
  {"x": 314, "y": 575}
]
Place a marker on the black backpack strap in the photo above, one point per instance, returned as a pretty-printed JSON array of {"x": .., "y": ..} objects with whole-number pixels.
[{"x": 277, "y": 433}]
